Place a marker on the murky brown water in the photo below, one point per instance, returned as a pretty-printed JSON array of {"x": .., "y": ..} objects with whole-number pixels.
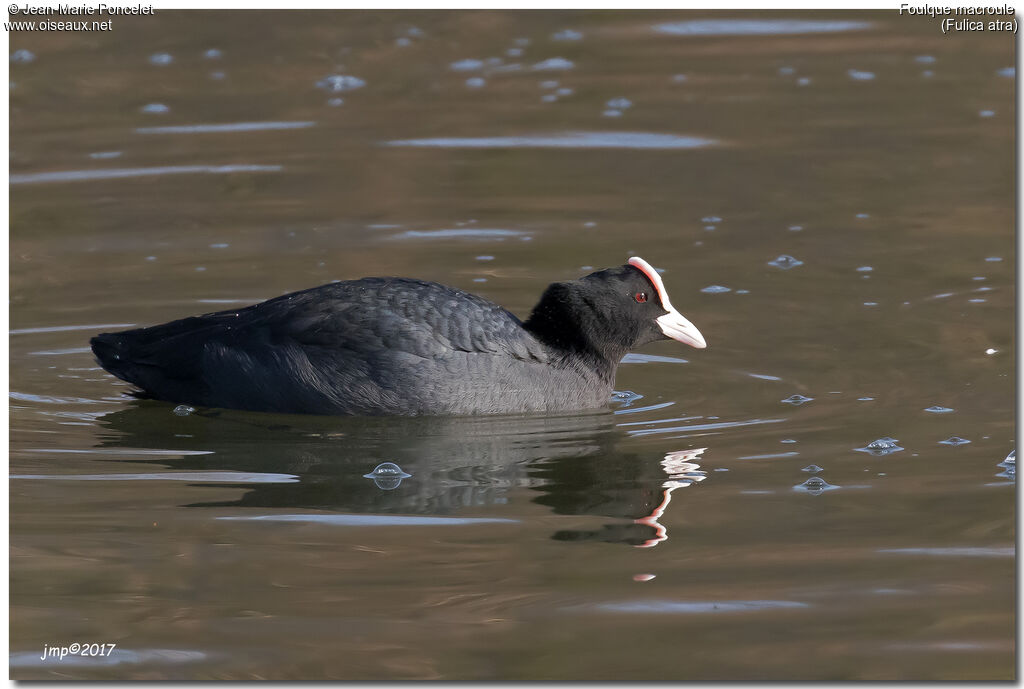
[{"x": 667, "y": 538}]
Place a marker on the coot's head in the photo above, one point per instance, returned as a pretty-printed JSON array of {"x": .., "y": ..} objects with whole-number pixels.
[{"x": 611, "y": 312}]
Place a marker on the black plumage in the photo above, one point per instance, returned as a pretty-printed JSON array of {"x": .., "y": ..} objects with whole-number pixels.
[{"x": 399, "y": 346}]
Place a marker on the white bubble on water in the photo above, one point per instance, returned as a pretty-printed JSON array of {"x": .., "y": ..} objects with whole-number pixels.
[
  {"x": 815, "y": 486},
  {"x": 468, "y": 65},
  {"x": 567, "y": 35},
  {"x": 387, "y": 475},
  {"x": 553, "y": 64},
  {"x": 23, "y": 56},
  {"x": 338, "y": 83},
  {"x": 785, "y": 262},
  {"x": 881, "y": 447}
]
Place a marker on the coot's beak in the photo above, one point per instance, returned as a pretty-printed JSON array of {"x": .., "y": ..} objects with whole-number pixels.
[{"x": 673, "y": 323}]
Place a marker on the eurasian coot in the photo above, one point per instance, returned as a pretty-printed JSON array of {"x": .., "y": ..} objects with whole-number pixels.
[{"x": 400, "y": 346}]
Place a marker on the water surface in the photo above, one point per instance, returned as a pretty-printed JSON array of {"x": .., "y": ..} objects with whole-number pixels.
[{"x": 862, "y": 232}]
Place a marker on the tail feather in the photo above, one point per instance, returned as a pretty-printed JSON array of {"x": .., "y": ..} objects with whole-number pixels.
[
  {"x": 109, "y": 349},
  {"x": 155, "y": 359}
]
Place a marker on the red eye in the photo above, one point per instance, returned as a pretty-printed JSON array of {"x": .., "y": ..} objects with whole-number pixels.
[{"x": 640, "y": 297}]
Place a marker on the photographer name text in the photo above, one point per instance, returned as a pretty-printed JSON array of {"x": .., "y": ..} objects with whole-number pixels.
[{"x": 80, "y": 10}]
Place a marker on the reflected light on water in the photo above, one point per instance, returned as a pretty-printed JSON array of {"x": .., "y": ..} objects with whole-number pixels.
[{"x": 682, "y": 471}]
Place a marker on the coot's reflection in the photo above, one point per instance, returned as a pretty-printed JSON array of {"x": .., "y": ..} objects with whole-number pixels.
[{"x": 576, "y": 463}]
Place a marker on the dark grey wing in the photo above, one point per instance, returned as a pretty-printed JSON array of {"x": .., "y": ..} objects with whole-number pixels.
[
  {"x": 418, "y": 318},
  {"x": 371, "y": 346},
  {"x": 386, "y": 345}
]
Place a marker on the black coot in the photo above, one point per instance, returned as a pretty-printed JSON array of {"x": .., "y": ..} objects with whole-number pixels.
[{"x": 400, "y": 346}]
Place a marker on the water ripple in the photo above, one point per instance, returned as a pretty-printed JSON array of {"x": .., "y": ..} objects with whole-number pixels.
[
  {"x": 757, "y": 27},
  {"x": 190, "y": 476},
  {"x": 651, "y": 407},
  {"x": 954, "y": 552},
  {"x": 228, "y": 127},
  {"x": 50, "y": 399},
  {"x": 680, "y": 606},
  {"x": 474, "y": 233},
  {"x": 117, "y": 173},
  {"x": 372, "y": 519},
  {"x": 634, "y": 358},
  {"x": 65, "y": 328},
  {"x": 631, "y": 140},
  {"x": 61, "y": 352},
  {"x": 704, "y": 426},
  {"x": 121, "y": 451},
  {"x": 774, "y": 455},
  {"x": 117, "y": 657}
]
